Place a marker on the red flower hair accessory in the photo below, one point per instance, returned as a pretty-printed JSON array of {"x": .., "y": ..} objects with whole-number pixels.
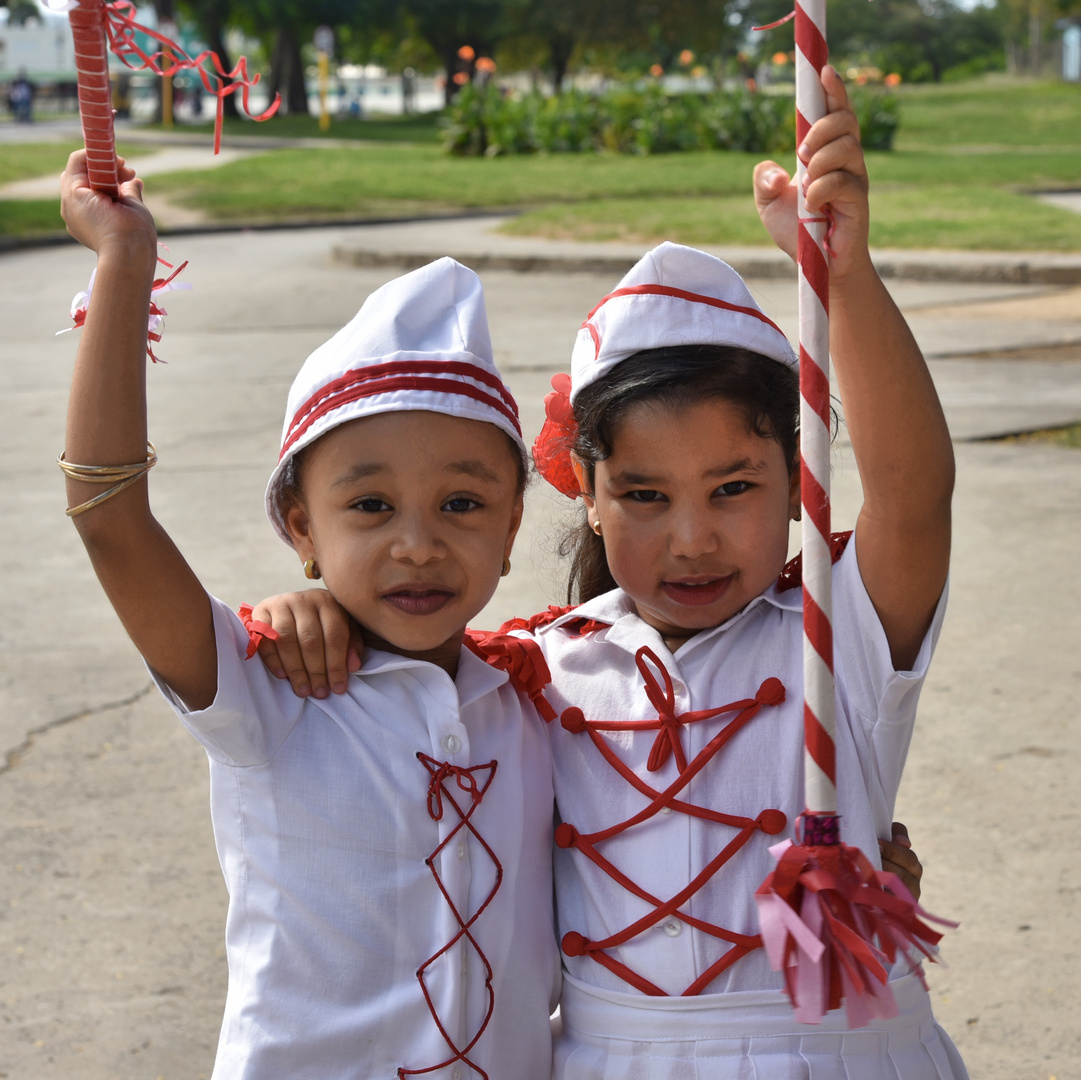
[{"x": 552, "y": 447}]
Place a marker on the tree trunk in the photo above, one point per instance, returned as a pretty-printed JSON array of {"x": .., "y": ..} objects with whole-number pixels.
[
  {"x": 287, "y": 74},
  {"x": 559, "y": 51},
  {"x": 165, "y": 14},
  {"x": 454, "y": 64}
]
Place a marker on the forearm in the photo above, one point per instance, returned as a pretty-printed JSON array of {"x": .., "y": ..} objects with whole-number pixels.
[
  {"x": 154, "y": 592},
  {"x": 107, "y": 408}
]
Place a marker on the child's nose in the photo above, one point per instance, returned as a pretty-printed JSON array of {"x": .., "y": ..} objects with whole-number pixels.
[
  {"x": 692, "y": 534},
  {"x": 417, "y": 540}
]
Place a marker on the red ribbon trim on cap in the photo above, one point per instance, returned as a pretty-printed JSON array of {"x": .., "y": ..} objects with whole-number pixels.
[
  {"x": 400, "y": 375},
  {"x": 679, "y": 294}
]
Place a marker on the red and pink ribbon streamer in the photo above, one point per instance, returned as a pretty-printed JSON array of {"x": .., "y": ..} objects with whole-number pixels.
[{"x": 98, "y": 28}]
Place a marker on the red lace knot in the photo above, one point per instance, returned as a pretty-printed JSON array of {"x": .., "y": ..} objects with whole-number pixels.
[
  {"x": 257, "y": 631},
  {"x": 772, "y": 822},
  {"x": 771, "y": 692},
  {"x": 663, "y": 699},
  {"x": 574, "y": 944},
  {"x": 565, "y": 835},
  {"x": 552, "y": 447},
  {"x": 521, "y": 659},
  {"x": 573, "y": 720},
  {"x": 464, "y": 778}
]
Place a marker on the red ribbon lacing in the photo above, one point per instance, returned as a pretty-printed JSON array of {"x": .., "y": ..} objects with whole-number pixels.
[
  {"x": 447, "y": 784},
  {"x": 668, "y": 725}
]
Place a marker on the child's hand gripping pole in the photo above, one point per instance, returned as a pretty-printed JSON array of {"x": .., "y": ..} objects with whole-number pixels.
[{"x": 829, "y": 920}]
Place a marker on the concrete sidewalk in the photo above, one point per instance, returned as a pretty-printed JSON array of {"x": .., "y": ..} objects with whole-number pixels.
[{"x": 111, "y": 902}]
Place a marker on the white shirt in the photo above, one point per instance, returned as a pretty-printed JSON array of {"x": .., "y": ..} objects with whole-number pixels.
[
  {"x": 759, "y": 769},
  {"x": 321, "y": 813}
]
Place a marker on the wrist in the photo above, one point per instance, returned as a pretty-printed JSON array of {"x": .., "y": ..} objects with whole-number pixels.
[{"x": 129, "y": 256}]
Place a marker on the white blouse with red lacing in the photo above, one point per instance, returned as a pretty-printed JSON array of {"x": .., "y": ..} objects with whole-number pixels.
[
  {"x": 675, "y": 773},
  {"x": 388, "y": 859}
]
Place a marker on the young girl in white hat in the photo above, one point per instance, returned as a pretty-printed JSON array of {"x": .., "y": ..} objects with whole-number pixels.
[
  {"x": 388, "y": 851},
  {"x": 676, "y": 682}
]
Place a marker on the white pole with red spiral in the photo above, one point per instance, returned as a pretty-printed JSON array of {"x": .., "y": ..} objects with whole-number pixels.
[{"x": 829, "y": 920}]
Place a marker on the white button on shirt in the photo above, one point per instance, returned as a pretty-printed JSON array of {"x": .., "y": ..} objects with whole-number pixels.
[{"x": 321, "y": 819}]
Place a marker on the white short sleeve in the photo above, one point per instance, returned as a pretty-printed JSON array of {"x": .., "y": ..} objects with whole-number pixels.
[
  {"x": 252, "y": 713},
  {"x": 881, "y": 700}
]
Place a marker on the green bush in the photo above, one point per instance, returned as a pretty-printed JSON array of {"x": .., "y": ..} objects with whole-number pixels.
[
  {"x": 641, "y": 120},
  {"x": 879, "y": 116}
]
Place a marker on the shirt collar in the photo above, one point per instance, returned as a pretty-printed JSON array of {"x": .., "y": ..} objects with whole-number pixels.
[
  {"x": 615, "y": 609},
  {"x": 475, "y": 678}
]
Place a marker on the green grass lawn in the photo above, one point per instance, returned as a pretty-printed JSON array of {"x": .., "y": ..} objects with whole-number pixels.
[
  {"x": 21, "y": 161},
  {"x": 30, "y": 217},
  {"x": 967, "y": 158},
  {"x": 419, "y": 127}
]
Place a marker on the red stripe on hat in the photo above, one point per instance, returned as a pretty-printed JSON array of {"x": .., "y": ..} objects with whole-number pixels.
[
  {"x": 595, "y": 335},
  {"x": 378, "y": 373},
  {"x": 319, "y": 405},
  {"x": 682, "y": 294}
]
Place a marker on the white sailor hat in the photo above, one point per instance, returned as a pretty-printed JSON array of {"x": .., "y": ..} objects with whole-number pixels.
[
  {"x": 674, "y": 295},
  {"x": 420, "y": 342}
]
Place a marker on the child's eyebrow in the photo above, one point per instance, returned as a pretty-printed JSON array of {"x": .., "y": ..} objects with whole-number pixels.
[
  {"x": 744, "y": 465},
  {"x": 359, "y": 472},
  {"x": 476, "y": 469}
]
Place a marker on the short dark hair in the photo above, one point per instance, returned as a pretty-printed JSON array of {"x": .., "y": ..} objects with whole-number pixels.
[{"x": 765, "y": 390}]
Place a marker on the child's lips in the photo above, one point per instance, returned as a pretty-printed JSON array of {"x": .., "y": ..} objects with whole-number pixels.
[
  {"x": 414, "y": 600},
  {"x": 697, "y": 591}
]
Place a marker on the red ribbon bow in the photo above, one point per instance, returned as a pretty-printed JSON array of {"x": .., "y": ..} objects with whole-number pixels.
[{"x": 552, "y": 447}]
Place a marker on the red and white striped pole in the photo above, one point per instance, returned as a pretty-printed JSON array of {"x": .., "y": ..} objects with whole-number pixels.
[
  {"x": 820, "y": 774},
  {"x": 829, "y": 920},
  {"x": 95, "y": 94}
]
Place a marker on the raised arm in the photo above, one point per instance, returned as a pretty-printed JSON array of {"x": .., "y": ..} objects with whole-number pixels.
[
  {"x": 892, "y": 412},
  {"x": 158, "y": 598}
]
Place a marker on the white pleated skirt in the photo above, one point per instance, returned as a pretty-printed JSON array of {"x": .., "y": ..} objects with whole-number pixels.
[{"x": 752, "y": 1035}]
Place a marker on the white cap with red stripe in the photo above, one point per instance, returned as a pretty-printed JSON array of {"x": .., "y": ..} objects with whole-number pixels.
[
  {"x": 674, "y": 295},
  {"x": 420, "y": 342}
]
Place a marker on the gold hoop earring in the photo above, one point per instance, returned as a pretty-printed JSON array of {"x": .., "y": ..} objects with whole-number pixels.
[
  {"x": 311, "y": 571},
  {"x": 596, "y": 527},
  {"x": 506, "y": 567}
]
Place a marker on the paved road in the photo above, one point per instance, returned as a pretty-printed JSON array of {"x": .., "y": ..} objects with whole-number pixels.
[{"x": 111, "y": 902}]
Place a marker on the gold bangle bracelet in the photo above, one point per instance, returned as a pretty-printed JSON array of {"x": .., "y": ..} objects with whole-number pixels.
[
  {"x": 120, "y": 476},
  {"x": 104, "y": 474}
]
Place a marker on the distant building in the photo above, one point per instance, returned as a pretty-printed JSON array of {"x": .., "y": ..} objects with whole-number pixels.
[
  {"x": 1071, "y": 49},
  {"x": 42, "y": 46}
]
